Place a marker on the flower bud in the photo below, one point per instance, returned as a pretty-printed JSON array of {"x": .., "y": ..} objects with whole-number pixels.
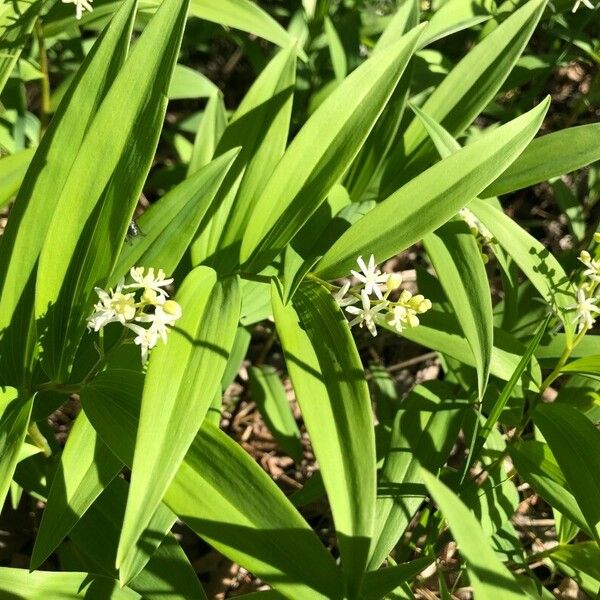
[
  {"x": 172, "y": 308},
  {"x": 394, "y": 281},
  {"x": 149, "y": 297},
  {"x": 597, "y": 237}
]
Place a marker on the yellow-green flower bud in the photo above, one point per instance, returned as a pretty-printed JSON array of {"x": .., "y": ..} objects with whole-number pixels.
[
  {"x": 172, "y": 308},
  {"x": 394, "y": 281}
]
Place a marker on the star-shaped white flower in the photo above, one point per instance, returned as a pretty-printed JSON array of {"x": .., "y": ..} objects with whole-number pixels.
[
  {"x": 149, "y": 282},
  {"x": 80, "y": 6},
  {"x": 585, "y": 2},
  {"x": 165, "y": 314},
  {"x": 586, "y": 310},
  {"x": 146, "y": 339},
  {"x": 593, "y": 266},
  {"x": 371, "y": 276},
  {"x": 340, "y": 296},
  {"x": 113, "y": 306},
  {"x": 367, "y": 314}
]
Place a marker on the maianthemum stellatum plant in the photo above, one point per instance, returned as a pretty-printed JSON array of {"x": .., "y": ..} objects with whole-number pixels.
[{"x": 370, "y": 130}]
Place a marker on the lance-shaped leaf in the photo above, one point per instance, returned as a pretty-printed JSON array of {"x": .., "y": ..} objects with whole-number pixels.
[
  {"x": 588, "y": 365},
  {"x": 488, "y": 576},
  {"x": 425, "y": 428},
  {"x": 456, "y": 258},
  {"x": 378, "y": 584},
  {"x": 86, "y": 467},
  {"x": 227, "y": 498},
  {"x": 14, "y": 418},
  {"x": 96, "y": 204},
  {"x": 182, "y": 378},
  {"x": 330, "y": 387},
  {"x": 170, "y": 224},
  {"x": 431, "y": 198},
  {"x": 322, "y": 151},
  {"x": 37, "y": 199},
  {"x": 575, "y": 443},
  {"x": 260, "y": 126},
  {"x": 465, "y": 92},
  {"x": 546, "y": 158},
  {"x": 12, "y": 172}
]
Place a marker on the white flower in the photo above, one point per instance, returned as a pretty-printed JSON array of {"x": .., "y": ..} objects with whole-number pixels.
[
  {"x": 165, "y": 314},
  {"x": 593, "y": 266},
  {"x": 586, "y": 310},
  {"x": 586, "y": 2},
  {"x": 113, "y": 306},
  {"x": 394, "y": 281},
  {"x": 341, "y": 293},
  {"x": 366, "y": 315},
  {"x": 371, "y": 276},
  {"x": 146, "y": 339},
  {"x": 80, "y": 6},
  {"x": 149, "y": 282}
]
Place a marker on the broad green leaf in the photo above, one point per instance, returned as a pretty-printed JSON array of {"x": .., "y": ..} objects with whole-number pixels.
[
  {"x": 546, "y": 158},
  {"x": 575, "y": 443},
  {"x": 14, "y": 418},
  {"x": 332, "y": 392},
  {"x": 571, "y": 206},
  {"x": 536, "y": 465},
  {"x": 188, "y": 83},
  {"x": 551, "y": 349},
  {"x": 425, "y": 429},
  {"x": 37, "y": 199},
  {"x": 170, "y": 224},
  {"x": 489, "y": 578},
  {"x": 267, "y": 391},
  {"x": 539, "y": 265},
  {"x": 60, "y": 586},
  {"x": 456, "y": 258},
  {"x": 182, "y": 378},
  {"x": 322, "y": 150},
  {"x": 431, "y": 198},
  {"x": 211, "y": 128},
  {"x": 440, "y": 332},
  {"x": 379, "y": 583},
  {"x": 589, "y": 365},
  {"x": 465, "y": 92},
  {"x": 17, "y": 19},
  {"x": 95, "y": 206},
  {"x": 336, "y": 50},
  {"x": 575, "y": 559},
  {"x": 260, "y": 126},
  {"x": 454, "y": 16},
  {"x": 86, "y": 467},
  {"x": 12, "y": 172},
  {"x": 227, "y": 499},
  {"x": 166, "y": 573}
]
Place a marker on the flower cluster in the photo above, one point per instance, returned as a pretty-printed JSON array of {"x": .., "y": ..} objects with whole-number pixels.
[
  {"x": 587, "y": 294},
  {"x": 80, "y": 6},
  {"x": 142, "y": 306},
  {"x": 483, "y": 235},
  {"x": 399, "y": 314}
]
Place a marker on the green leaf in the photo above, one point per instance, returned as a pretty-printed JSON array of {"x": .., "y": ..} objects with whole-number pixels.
[
  {"x": 456, "y": 258},
  {"x": 322, "y": 151},
  {"x": 588, "y": 365},
  {"x": 575, "y": 442},
  {"x": 165, "y": 572},
  {"x": 454, "y": 16},
  {"x": 60, "y": 586},
  {"x": 188, "y": 83},
  {"x": 211, "y": 128},
  {"x": 170, "y": 224},
  {"x": 86, "y": 467},
  {"x": 336, "y": 50},
  {"x": 537, "y": 466},
  {"x": 546, "y": 158},
  {"x": 192, "y": 362},
  {"x": 539, "y": 265},
  {"x": 12, "y": 172},
  {"x": 488, "y": 576},
  {"x": 16, "y": 23},
  {"x": 267, "y": 391},
  {"x": 14, "y": 418},
  {"x": 37, "y": 199},
  {"x": 575, "y": 559},
  {"x": 465, "y": 92},
  {"x": 260, "y": 126},
  {"x": 378, "y": 584},
  {"x": 425, "y": 429},
  {"x": 431, "y": 198},
  {"x": 95, "y": 206},
  {"x": 226, "y": 498},
  {"x": 332, "y": 392}
]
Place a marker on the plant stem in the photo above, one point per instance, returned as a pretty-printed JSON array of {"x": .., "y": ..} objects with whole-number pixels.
[
  {"x": 45, "y": 81},
  {"x": 39, "y": 439}
]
